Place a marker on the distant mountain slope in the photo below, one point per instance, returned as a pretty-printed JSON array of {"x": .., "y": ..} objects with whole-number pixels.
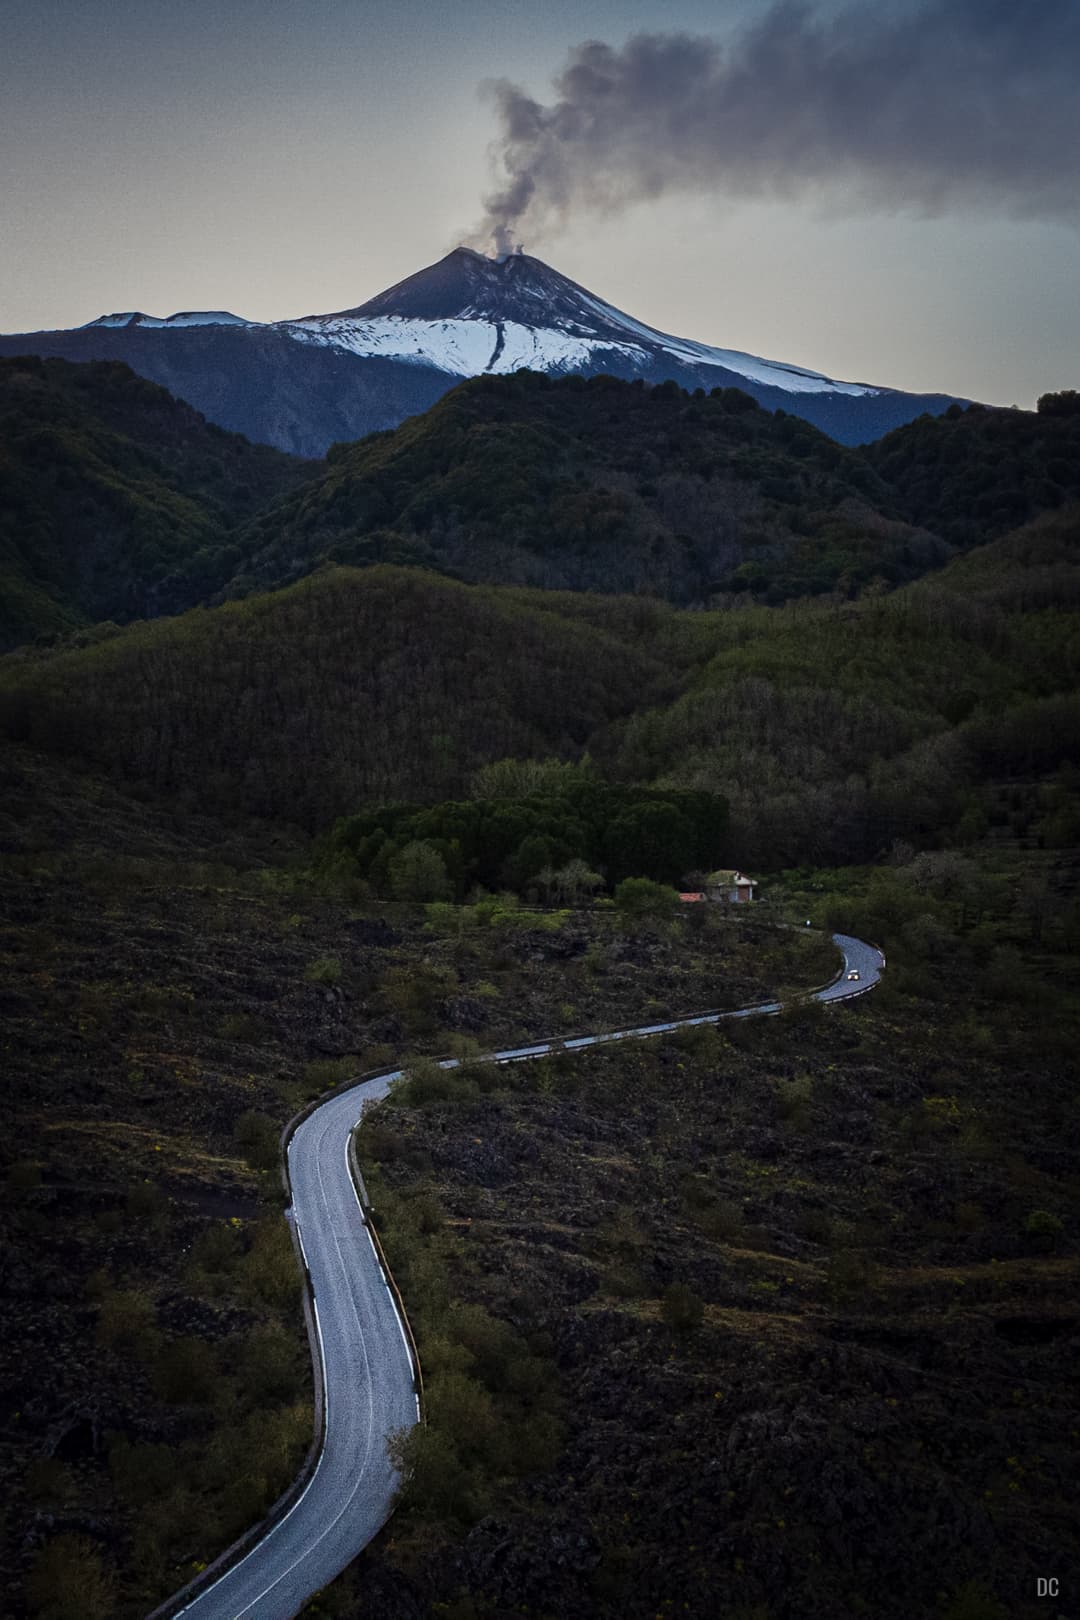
[
  {"x": 599, "y": 485},
  {"x": 116, "y": 501},
  {"x": 257, "y": 380},
  {"x": 303, "y": 384}
]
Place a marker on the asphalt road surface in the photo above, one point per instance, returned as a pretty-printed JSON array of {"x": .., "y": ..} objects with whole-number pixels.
[{"x": 366, "y": 1368}]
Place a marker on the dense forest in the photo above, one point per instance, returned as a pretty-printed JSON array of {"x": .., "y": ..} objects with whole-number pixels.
[
  {"x": 599, "y": 484},
  {"x": 535, "y": 838},
  {"x": 118, "y": 502},
  {"x": 831, "y": 728},
  {"x": 970, "y": 475}
]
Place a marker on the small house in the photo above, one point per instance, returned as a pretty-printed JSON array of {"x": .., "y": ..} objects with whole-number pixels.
[{"x": 733, "y": 886}]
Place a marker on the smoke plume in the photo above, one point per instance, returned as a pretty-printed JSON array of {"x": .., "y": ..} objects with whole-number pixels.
[{"x": 958, "y": 105}]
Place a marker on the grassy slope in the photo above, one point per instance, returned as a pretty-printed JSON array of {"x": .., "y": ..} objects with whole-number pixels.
[{"x": 115, "y": 499}]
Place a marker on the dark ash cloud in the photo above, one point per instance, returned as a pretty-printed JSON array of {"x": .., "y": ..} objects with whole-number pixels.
[{"x": 959, "y": 105}]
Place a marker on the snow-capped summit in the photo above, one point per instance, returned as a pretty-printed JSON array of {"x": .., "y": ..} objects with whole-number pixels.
[
  {"x": 304, "y": 384},
  {"x": 469, "y": 314},
  {"x": 184, "y": 317}
]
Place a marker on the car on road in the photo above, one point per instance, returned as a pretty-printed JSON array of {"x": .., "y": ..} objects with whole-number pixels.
[{"x": 853, "y": 975}]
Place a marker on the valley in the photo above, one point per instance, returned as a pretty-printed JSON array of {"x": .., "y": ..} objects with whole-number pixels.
[
  {"x": 313, "y": 770},
  {"x": 540, "y": 811}
]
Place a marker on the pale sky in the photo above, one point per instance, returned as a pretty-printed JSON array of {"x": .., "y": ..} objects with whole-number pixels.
[{"x": 278, "y": 159}]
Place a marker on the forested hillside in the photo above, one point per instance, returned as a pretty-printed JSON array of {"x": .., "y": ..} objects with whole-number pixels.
[
  {"x": 602, "y": 485},
  {"x": 349, "y": 688},
  {"x": 834, "y": 731},
  {"x": 116, "y": 500},
  {"x": 970, "y": 475},
  {"x": 831, "y": 728}
]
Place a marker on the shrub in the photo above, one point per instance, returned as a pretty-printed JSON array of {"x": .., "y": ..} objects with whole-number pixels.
[
  {"x": 641, "y": 898},
  {"x": 218, "y": 1249},
  {"x": 419, "y": 873},
  {"x": 69, "y": 1581},
  {"x": 186, "y": 1372},
  {"x": 1044, "y": 1228},
  {"x": 723, "y": 1220},
  {"x": 269, "y": 1367},
  {"x": 322, "y": 1073},
  {"x": 256, "y": 1135},
  {"x": 681, "y": 1309},
  {"x": 700, "y": 1041},
  {"x": 270, "y": 1272},
  {"x": 414, "y": 994},
  {"x": 147, "y": 1202},
  {"x": 850, "y": 1276},
  {"x": 241, "y": 1026},
  {"x": 974, "y": 1601},
  {"x": 794, "y": 1098},
  {"x": 424, "y": 1084},
  {"x": 126, "y": 1321},
  {"x": 324, "y": 970}
]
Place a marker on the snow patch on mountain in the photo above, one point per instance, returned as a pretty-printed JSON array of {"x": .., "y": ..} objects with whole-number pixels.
[
  {"x": 795, "y": 379},
  {"x": 469, "y": 314},
  {"x": 462, "y": 347},
  {"x": 185, "y": 317}
]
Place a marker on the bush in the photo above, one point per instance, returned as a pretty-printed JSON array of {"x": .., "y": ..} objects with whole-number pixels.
[
  {"x": 1044, "y": 1228},
  {"x": 419, "y": 873},
  {"x": 424, "y": 1084},
  {"x": 724, "y": 1221},
  {"x": 147, "y": 1202},
  {"x": 974, "y": 1601},
  {"x": 681, "y": 1309},
  {"x": 218, "y": 1249},
  {"x": 126, "y": 1322},
  {"x": 269, "y": 1367},
  {"x": 69, "y": 1581},
  {"x": 256, "y": 1135},
  {"x": 850, "y": 1277},
  {"x": 241, "y": 1026},
  {"x": 642, "y": 898},
  {"x": 270, "y": 1272},
  {"x": 186, "y": 1372},
  {"x": 324, "y": 970},
  {"x": 414, "y": 994},
  {"x": 323, "y": 1073}
]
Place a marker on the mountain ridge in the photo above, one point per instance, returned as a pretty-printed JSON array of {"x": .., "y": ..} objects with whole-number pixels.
[{"x": 304, "y": 383}]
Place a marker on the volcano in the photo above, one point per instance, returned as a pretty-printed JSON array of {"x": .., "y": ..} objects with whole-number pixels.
[{"x": 302, "y": 384}]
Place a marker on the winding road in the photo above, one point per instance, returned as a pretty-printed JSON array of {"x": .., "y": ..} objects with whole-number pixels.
[{"x": 366, "y": 1369}]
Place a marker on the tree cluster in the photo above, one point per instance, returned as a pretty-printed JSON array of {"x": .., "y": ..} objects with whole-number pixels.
[{"x": 549, "y": 845}]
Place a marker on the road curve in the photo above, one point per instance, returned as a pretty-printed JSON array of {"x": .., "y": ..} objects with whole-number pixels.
[{"x": 366, "y": 1370}]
